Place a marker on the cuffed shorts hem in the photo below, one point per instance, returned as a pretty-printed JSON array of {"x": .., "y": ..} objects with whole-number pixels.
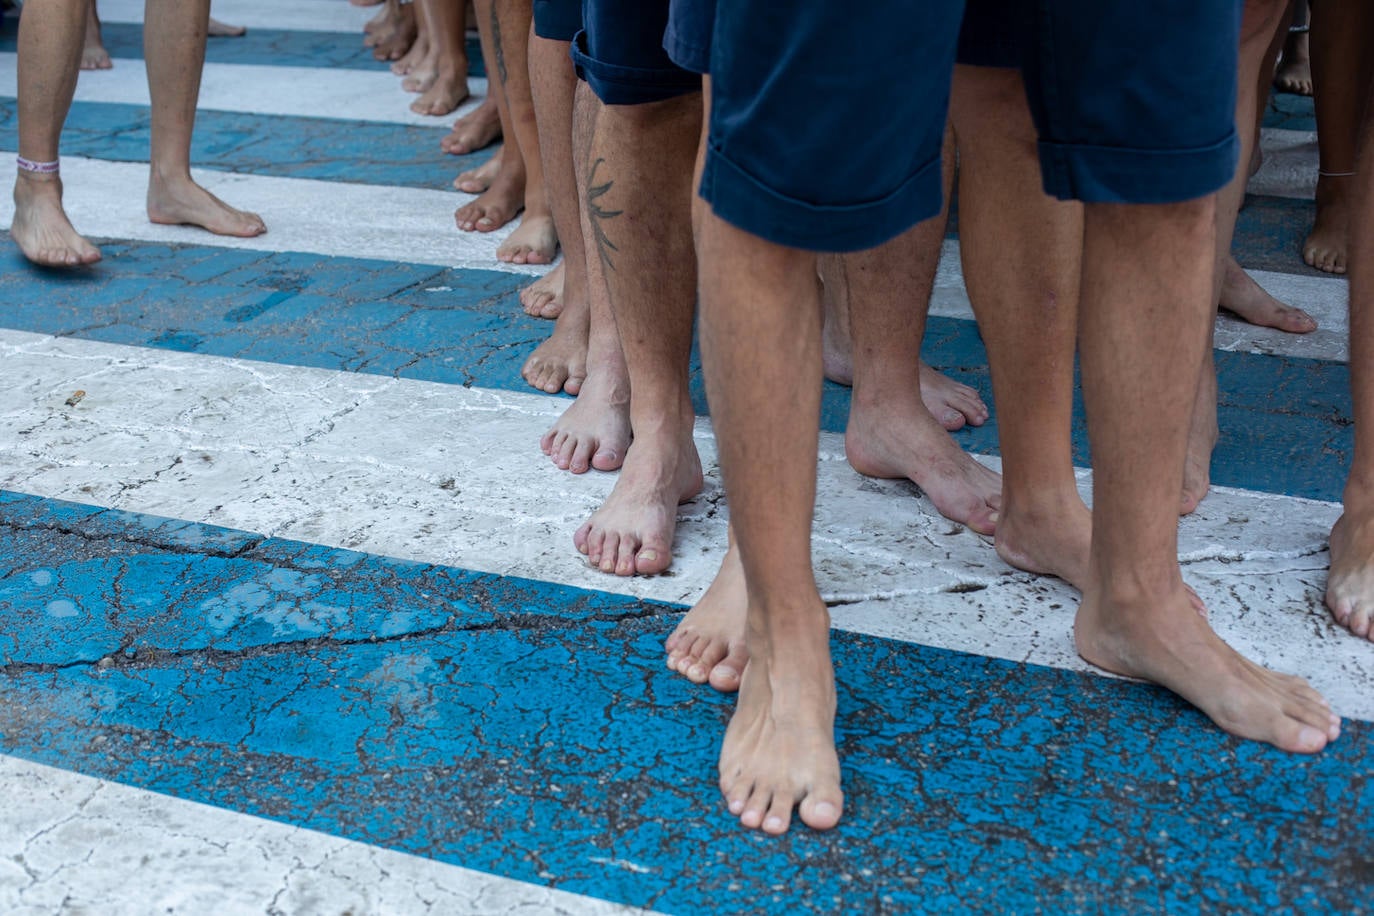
[
  {"x": 747, "y": 203},
  {"x": 1102, "y": 174},
  {"x": 616, "y": 84}
]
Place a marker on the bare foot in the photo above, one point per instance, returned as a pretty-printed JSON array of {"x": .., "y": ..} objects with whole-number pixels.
[
  {"x": 1350, "y": 585},
  {"x": 219, "y": 29},
  {"x": 544, "y": 297},
  {"x": 1294, "y": 73},
  {"x": 476, "y": 181},
  {"x": 445, "y": 93},
  {"x": 1202, "y": 441},
  {"x": 560, "y": 362},
  {"x": 182, "y": 202},
  {"x": 381, "y": 23},
  {"x": 1325, "y": 248},
  {"x": 898, "y": 438},
  {"x": 41, "y": 229},
  {"x": 93, "y": 53},
  {"x": 779, "y": 749},
  {"x": 478, "y": 128},
  {"x": 414, "y": 59},
  {"x": 594, "y": 432},
  {"x": 1251, "y": 302},
  {"x": 534, "y": 241},
  {"x": 954, "y": 405},
  {"x": 1162, "y": 639},
  {"x": 394, "y": 43},
  {"x": 1048, "y": 533},
  {"x": 496, "y": 206},
  {"x": 708, "y": 645},
  {"x": 632, "y": 533}
]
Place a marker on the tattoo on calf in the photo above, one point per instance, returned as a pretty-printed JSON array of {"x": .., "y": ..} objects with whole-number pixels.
[{"x": 604, "y": 245}]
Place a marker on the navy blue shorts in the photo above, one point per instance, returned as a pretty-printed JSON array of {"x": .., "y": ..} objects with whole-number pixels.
[
  {"x": 1133, "y": 102},
  {"x": 558, "y": 20},
  {"x": 826, "y": 118},
  {"x": 619, "y": 52}
]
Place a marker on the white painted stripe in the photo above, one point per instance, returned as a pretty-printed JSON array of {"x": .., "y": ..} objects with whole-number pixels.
[
  {"x": 296, "y": 15},
  {"x": 105, "y": 200},
  {"x": 350, "y": 95},
  {"x": 1322, "y": 297},
  {"x": 416, "y": 226},
  {"x": 1290, "y": 164},
  {"x": 450, "y": 475},
  {"x": 74, "y": 844}
]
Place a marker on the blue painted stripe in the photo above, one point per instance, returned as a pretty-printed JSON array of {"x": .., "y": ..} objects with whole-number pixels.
[
  {"x": 1290, "y": 112},
  {"x": 1285, "y": 421},
  {"x": 289, "y": 147},
  {"x": 530, "y": 730},
  {"x": 273, "y": 47}
]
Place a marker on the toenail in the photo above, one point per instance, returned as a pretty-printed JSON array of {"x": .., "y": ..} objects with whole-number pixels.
[
  {"x": 736, "y": 807},
  {"x": 774, "y": 823},
  {"x": 648, "y": 555}
]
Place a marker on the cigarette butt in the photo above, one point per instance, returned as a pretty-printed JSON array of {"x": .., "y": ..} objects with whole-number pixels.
[{"x": 77, "y": 395}]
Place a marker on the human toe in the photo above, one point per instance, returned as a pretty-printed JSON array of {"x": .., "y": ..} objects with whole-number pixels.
[{"x": 821, "y": 810}]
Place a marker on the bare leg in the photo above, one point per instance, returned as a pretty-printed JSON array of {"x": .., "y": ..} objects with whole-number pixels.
[
  {"x": 174, "y": 36},
  {"x": 93, "y": 53},
  {"x": 1021, "y": 262},
  {"x": 890, "y": 432},
  {"x": 449, "y": 59},
  {"x": 417, "y": 63},
  {"x": 1350, "y": 587},
  {"x": 544, "y": 297},
  {"x": 953, "y": 404},
  {"x": 503, "y": 193},
  {"x": 1144, "y": 323},
  {"x": 50, "y": 37},
  {"x": 1342, "y": 61},
  {"x": 394, "y": 32},
  {"x": 779, "y": 750},
  {"x": 1233, "y": 288},
  {"x": 639, "y": 197}
]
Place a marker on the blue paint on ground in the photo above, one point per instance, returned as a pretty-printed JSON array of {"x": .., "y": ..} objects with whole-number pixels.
[
  {"x": 1285, "y": 421},
  {"x": 473, "y": 718}
]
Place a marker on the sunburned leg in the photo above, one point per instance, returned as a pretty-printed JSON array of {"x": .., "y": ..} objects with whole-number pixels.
[
  {"x": 1144, "y": 325},
  {"x": 1350, "y": 586},
  {"x": 1021, "y": 263},
  {"x": 544, "y": 297},
  {"x": 594, "y": 432},
  {"x": 779, "y": 751},
  {"x": 93, "y": 53},
  {"x": 953, "y": 404},
  {"x": 891, "y": 433},
  {"x": 639, "y": 203},
  {"x": 1342, "y": 61},
  {"x": 475, "y": 130},
  {"x": 174, "y": 38},
  {"x": 708, "y": 646},
  {"x": 447, "y": 88},
  {"x": 50, "y": 37}
]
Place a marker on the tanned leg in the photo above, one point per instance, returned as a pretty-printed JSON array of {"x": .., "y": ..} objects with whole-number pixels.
[
  {"x": 50, "y": 39},
  {"x": 174, "y": 41},
  {"x": 500, "y": 182},
  {"x": 448, "y": 40},
  {"x": 1144, "y": 320},
  {"x": 639, "y": 198},
  {"x": 534, "y": 241},
  {"x": 1021, "y": 253},
  {"x": 1350, "y": 587}
]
